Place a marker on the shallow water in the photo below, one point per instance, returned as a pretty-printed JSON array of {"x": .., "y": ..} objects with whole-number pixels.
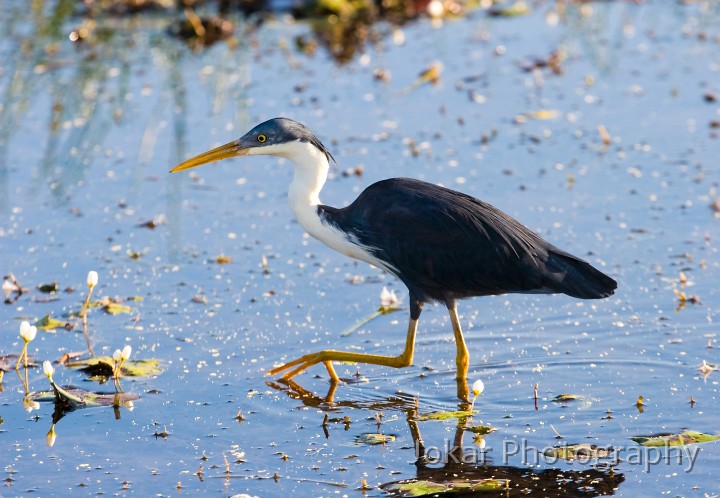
[{"x": 89, "y": 132}]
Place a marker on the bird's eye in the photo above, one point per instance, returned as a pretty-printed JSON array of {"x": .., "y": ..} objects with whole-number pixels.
[{"x": 261, "y": 138}]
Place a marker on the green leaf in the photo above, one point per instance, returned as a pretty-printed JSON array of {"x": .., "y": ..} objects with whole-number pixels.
[
  {"x": 573, "y": 451},
  {"x": 425, "y": 487},
  {"x": 48, "y": 323},
  {"x": 142, "y": 368},
  {"x": 561, "y": 398},
  {"x": 443, "y": 415},
  {"x": 685, "y": 437},
  {"x": 372, "y": 438},
  {"x": 116, "y": 308},
  {"x": 480, "y": 429},
  {"x": 103, "y": 366}
]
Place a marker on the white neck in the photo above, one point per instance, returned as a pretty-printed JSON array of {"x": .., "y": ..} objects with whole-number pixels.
[{"x": 311, "y": 170}]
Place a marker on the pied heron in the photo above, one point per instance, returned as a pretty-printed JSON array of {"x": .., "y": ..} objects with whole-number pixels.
[{"x": 442, "y": 244}]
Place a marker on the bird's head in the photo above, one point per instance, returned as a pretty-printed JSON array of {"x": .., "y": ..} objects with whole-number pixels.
[{"x": 280, "y": 137}]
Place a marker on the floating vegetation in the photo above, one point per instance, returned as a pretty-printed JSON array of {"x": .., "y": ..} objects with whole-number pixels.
[
  {"x": 50, "y": 288},
  {"x": 50, "y": 324},
  {"x": 104, "y": 366},
  {"x": 11, "y": 286},
  {"x": 444, "y": 415},
  {"x": 75, "y": 397},
  {"x": 480, "y": 430},
  {"x": 667, "y": 439},
  {"x": 113, "y": 306},
  {"x": 419, "y": 487},
  {"x": 582, "y": 451},
  {"x": 374, "y": 438},
  {"x": 562, "y": 398}
]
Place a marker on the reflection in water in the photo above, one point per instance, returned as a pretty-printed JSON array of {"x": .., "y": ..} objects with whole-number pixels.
[{"x": 463, "y": 465}]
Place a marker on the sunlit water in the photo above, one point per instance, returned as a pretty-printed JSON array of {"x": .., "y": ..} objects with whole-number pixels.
[{"x": 89, "y": 132}]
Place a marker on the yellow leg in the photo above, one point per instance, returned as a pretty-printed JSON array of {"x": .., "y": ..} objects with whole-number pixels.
[
  {"x": 328, "y": 356},
  {"x": 462, "y": 358}
]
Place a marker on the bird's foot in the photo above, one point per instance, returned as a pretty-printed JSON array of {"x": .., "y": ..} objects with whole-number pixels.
[{"x": 303, "y": 363}]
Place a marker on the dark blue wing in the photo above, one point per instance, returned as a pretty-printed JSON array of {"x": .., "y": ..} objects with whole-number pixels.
[{"x": 447, "y": 245}]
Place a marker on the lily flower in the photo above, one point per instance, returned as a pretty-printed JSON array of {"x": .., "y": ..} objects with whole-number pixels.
[
  {"x": 48, "y": 370},
  {"x": 27, "y": 333},
  {"x": 92, "y": 279},
  {"x": 477, "y": 388}
]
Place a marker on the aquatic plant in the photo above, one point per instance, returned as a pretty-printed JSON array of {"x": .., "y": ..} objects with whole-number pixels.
[{"x": 27, "y": 333}]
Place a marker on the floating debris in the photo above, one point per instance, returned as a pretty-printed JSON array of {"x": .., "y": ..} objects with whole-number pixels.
[
  {"x": 682, "y": 439},
  {"x": 582, "y": 451},
  {"x": 374, "y": 438}
]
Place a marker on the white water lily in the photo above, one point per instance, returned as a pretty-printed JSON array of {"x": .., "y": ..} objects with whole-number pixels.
[
  {"x": 478, "y": 387},
  {"x": 48, "y": 369},
  {"x": 120, "y": 357},
  {"x": 92, "y": 279},
  {"x": 27, "y": 331},
  {"x": 388, "y": 299}
]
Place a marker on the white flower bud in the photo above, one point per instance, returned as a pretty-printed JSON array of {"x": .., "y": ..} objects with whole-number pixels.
[
  {"x": 125, "y": 354},
  {"x": 116, "y": 356},
  {"x": 92, "y": 279},
  {"x": 48, "y": 369},
  {"x": 478, "y": 387}
]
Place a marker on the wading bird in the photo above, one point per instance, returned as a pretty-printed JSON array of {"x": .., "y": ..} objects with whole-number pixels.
[{"x": 442, "y": 244}]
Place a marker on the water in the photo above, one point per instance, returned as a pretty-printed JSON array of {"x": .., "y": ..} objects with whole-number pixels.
[{"x": 90, "y": 130}]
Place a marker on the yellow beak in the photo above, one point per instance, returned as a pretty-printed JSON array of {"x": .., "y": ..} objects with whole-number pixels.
[{"x": 231, "y": 149}]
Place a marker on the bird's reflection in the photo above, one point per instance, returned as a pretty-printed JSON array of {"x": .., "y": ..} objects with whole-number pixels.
[{"x": 461, "y": 464}]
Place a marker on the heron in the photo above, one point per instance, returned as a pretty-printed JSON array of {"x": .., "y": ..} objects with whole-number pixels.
[{"x": 442, "y": 244}]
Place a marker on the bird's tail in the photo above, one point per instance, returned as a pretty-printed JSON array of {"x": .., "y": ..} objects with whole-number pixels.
[{"x": 576, "y": 277}]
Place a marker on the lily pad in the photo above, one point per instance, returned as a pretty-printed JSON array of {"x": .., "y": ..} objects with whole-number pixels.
[
  {"x": 111, "y": 306},
  {"x": 373, "y": 438},
  {"x": 50, "y": 288},
  {"x": 48, "y": 323},
  {"x": 480, "y": 430},
  {"x": 443, "y": 415},
  {"x": 685, "y": 437},
  {"x": 103, "y": 366},
  {"x": 561, "y": 398},
  {"x": 75, "y": 397},
  {"x": 418, "y": 487},
  {"x": 116, "y": 308},
  {"x": 573, "y": 451}
]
